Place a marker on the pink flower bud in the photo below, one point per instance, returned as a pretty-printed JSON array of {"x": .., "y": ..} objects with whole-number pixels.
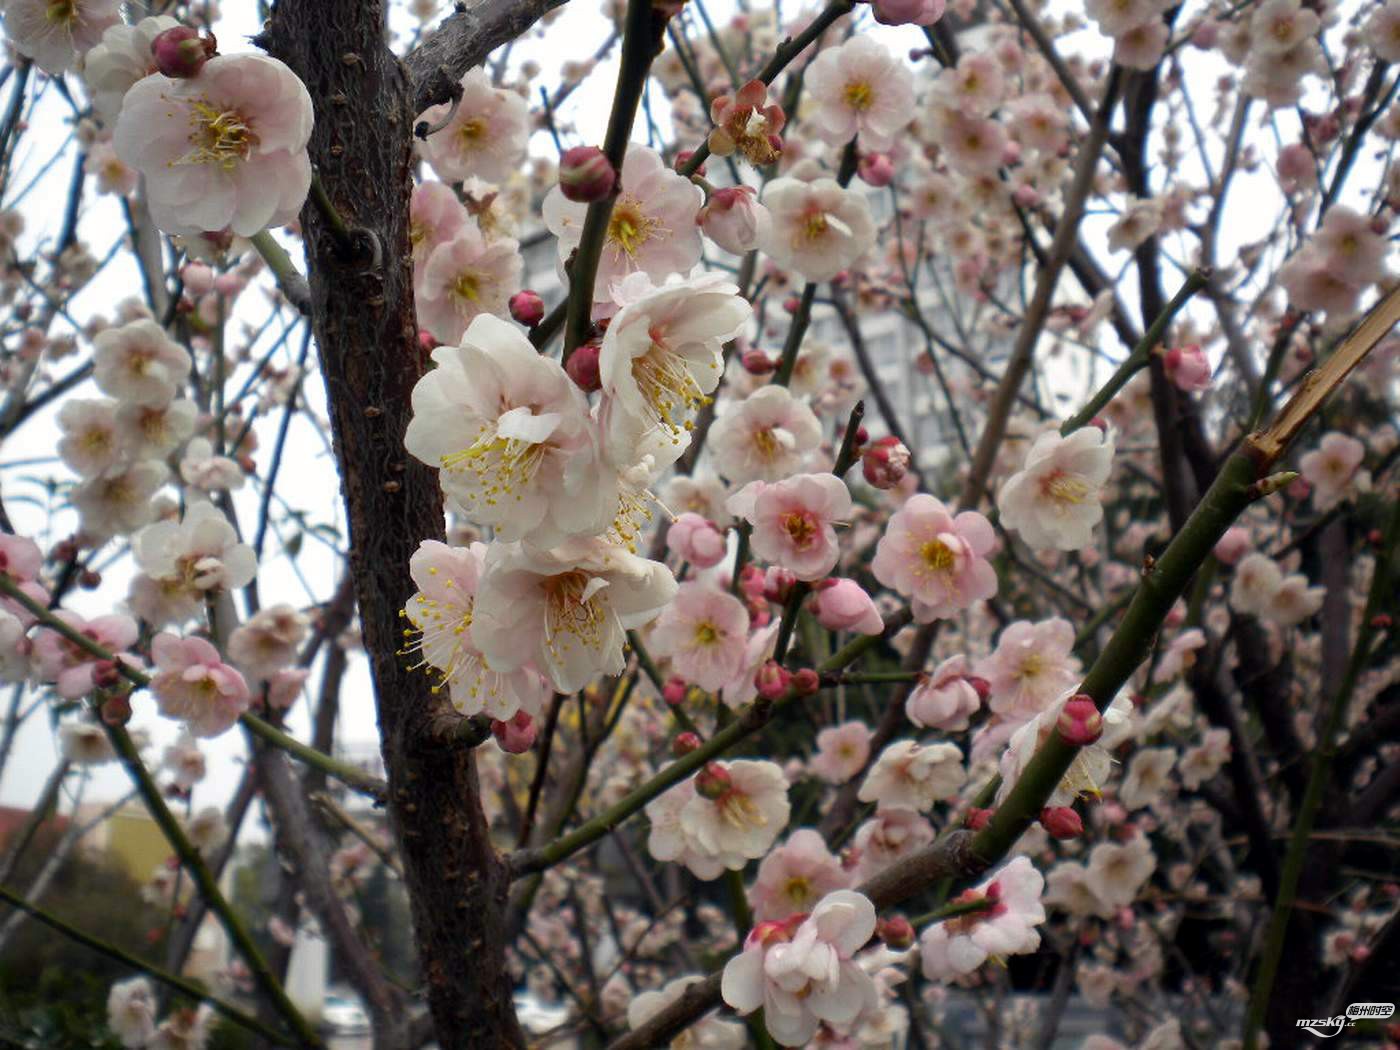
[
  {"x": 527, "y": 308},
  {"x": 516, "y": 736},
  {"x": 733, "y": 218},
  {"x": 683, "y": 158},
  {"x": 673, "y": 692},
  {"x": 977, "y": 818},
  {"x": 1233, "y": 546},
  {"x": 1080, "y": 723},
  {"x": 806, "y": 682},
  {"x": 582, "y": 367},
  {"x": 696, "y": 540},
  {"x": 875, "y": 169},
  {"x": 1187, "y": 367},
  {"x": 907, "y": 12},
  {"x": 791, "y": 303},
  {"x": 1061, "y": 822},
  {"x": 843, "y": 605},
  {"x": 885, "y": 462},
  {"x": 586, "y": 174},
  {"x": 713, "y": 782},
  {"x": 198, "y": 278},
  {"x": 777, "y": 584},
  {"x": 772, "y": 680},
  {"x": 1026, "y": 196},
  {"x": 757, "y": 363},
  {"x": 896, "y": 932},
  {"x": 684, "y": 743},
  {"x": 180, "y": 52}
]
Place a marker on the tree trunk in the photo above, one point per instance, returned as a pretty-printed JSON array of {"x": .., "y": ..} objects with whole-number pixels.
[{"x": 366, "y": 335}]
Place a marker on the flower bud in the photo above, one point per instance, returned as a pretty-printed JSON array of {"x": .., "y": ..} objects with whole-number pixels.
[
  {"x": 116, "y": 710},
  {"x": 806, "y": 681},
  {"x": 180, "y": 52},
  {"x": 1080, "y": 723},
  {"x": 1233, "y": 546},
  {"x": 896, "y": 932},
  {"x": 885, "y": 462},
  {"x": 89, "y": 580},
  {"x": 697, "y": 540},
  {"x": 777, "y": 584},
  {"x": 1026, "y": 196},
  {"x": 684, "y": 743},
  {"x": 198, "y": 278},
  {"x": 1061, "y": 822},
  {"x": 673, "y": 692},
  {"x": 516, "y": 736},
  {"x": 733, "y": 218},
  {"x": 1382, "y": 622},
  {"x": 757, "y": 363},
  {"x": 1187, "y": 367},
  {"x": 582, "y": 367},
  {"x": 977, "y": 818},
  {"x": 105, "y": 674},
  {"x": 875, "y": 169},
  {"x": 772, "y": 680},
  {"x": 842, "y": 605},
  {"x": 527, "y": 308},
  {"x": 713, "y": 782},
  {"x": 586, "y": 174},
  {"x": 907, "y": 12},
  {"x": 791, "y": 303}
]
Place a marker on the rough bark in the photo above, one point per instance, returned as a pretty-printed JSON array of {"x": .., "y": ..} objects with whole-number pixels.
[{"x": 366, "y": 336}]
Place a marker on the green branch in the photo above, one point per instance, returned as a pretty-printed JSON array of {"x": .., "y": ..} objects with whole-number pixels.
[{"x": 288, "y": 277}]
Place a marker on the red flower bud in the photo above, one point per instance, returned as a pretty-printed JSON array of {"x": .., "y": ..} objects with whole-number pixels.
[
  {"x": 713, "y": 782},
  {"x": 586, "y": 174},
  {"x": 757, "y": 363},
  {"x": 673, "y": 692},
  {"x": 885, "y": 462},
  {"x": 517, "y": 735},
  {"x": 582, "y": 367},
  {"x": 1061, "y": 822},
  {"x": 1080, "y": 723},
  {"x": 772, "y": 680},
  {"x": 806, "y": 682},
  {"x": 527, "y": 308},
  {"x": 791, "y": 303},
  {"x": 977, "y": 818},
  {"x": 777, "y": 584},
  {"x": 89, "y": 580},
  {"x": 1382, "y": 622},
  {"x": 684, "y": 744},
  {"x": 896, "y": 932},
  {"x": 180, "y": 52}
]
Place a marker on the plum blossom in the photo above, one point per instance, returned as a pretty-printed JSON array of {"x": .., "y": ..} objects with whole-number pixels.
[
  {"x": 243, "y": 167},
  {"x": 1260, "y": 588},
  {"x": 131, "y": 1012},
  {"x": 793, "y": 521},
  {"x": 511, "y": 435},
  {"x": 740, "y": 814},
  {"x": 662, "y": 356},
  {"x": 465, "y": 278},
  {"x": 704, "y": 631},
  {"x": 566, "y": 611},
  {"x": 1032, "y": 667},
  {"x": 945, "y": 699},
  {"x": 766, "y": 437},
  {"x": 56, "y": 35},
  {"x": 183, "y": 562},
  {"x": 1092, "y": 764},
  {"x": 652, "y": 227},
  {"x": 201, "y": 469},
  {"x": 842, "y": 751},
  {"x": 1382, "y": 31},
  {"x": 888, "y": 837},
  {"x": 1332, "y": 469},
  {"x": 710, "y": 1032},
  {"x": 1005, "y": 926},
  {"x": 843, "y": 605},
  {"x": 268, "y": 640},
  {"x": 1198, "y": 764},
  {"x": 908, "y": 12},
  {"x": 154, "y": 431},
  {"x": 818, "y": 228},
  {"x": 194, "y": 685},
  {"x": 795, "y": 876},
  {"x": 1148, "y": 776},
  {"x": 747, "y": 123},
  {"x": 804, "y": 974},
  {"x": 733, "y": 218},
  {"x": 1141, "y": 218},
  {"x": 138, "y": 363},
  {"x": 486, "y": 135},
  {"x": 1054, "y": 500},
  {"x": 119, "y": 501},
  {"x": 1116, "y": 871},
  {"x": 860, "y": 90},
  {"x": 84, "y": 743},
  {"x": 1180, "y": 655},
  {"x": 91, "y": 442},
  {"x": 910, "y": 776},
  {"x": 935, "y": 559},
  {"x": 435, "y": 217}
]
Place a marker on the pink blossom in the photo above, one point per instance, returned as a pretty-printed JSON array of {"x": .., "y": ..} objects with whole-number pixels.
[
  {"x": 936, "y": 560},
  {"x": 842, "y": 605},
  {"x": 841, "y": 751},
  {"x": 485, "y": 136},
  {"x": 57, "y": 35},
  {"x": 795, "y": 876},
  {"x": 1031, "y": 667},
  {"x": 1054, "y": 501},
  {"x": 766, "y": 437},
  {"x": 945, "y": 699},
  {"x": 747, "y": 123},
  {"x": 1180, "y": 655},
  {"x": 1006, "y": 926},
  {"x": 805, "y": 975},
  {"x": 194, "y": 685},
  {"x": 71, "y": 667},
  {"x": 1332, "y": 469},
  {"x": 793, "y": 521},
  {"x": 704, "y": 631},
  {"x": 696, "y": 540},
  {"x": 818, "y": 228},
  {"x": 910, "y": 776},
  {"x": 244, "y": 167},
  {"x": 436, "y": 216},
  {"x": 1188, "y": 368},
  {"x": 889, "y": 837},
  {"x": 1234, "y": 545},
  {"x": 908, "y": 12},
  {"x": 1353, "y": 251},
  {"x": 860, "y": 90},
  {"x": 738, "y": 824},
  {"x": 464, "y": 278},
  {"x": 974, "y": 145},
  {"x": 21, "y": 560}
]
